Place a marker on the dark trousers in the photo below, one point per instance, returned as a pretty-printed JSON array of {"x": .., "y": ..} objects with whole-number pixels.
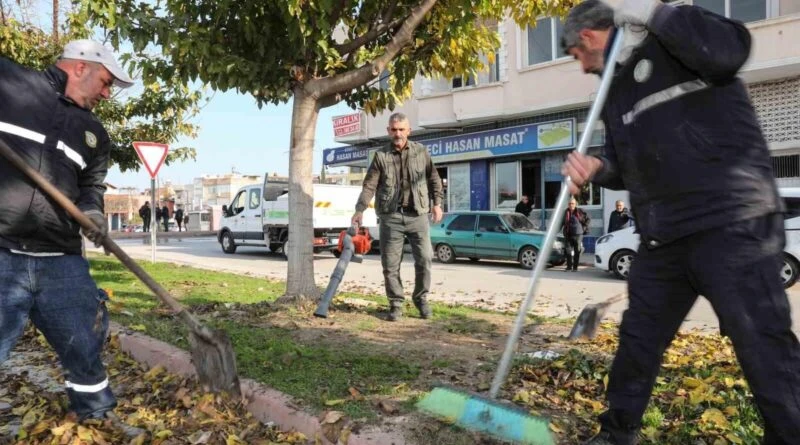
[
  {"x": 573, "y": 250},
  {"x": 145, "y": 224},
  {"x": 736, "y": 268},
  {"x": 64, "y": 303},
  {"x": 166, "y": 224},
  {"x": 393, "y": 229}
]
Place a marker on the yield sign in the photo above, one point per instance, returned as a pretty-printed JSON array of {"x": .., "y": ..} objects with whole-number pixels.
[{"x": 152, "y": 155}]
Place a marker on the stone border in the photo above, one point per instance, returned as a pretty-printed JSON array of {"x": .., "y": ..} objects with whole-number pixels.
[{"x": 266, "y": 404}]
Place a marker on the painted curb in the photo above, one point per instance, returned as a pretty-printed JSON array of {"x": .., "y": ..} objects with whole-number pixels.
[{"x": 266, "y": 404}]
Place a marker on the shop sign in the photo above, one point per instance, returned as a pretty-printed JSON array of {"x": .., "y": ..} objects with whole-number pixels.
[
  {"x": 554, "y": 135},
  {"x": 347, "y": 124}
]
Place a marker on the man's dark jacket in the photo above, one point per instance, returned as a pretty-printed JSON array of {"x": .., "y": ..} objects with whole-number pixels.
[
  {"x": 617, "y": 220},
  {"x": 63, "y": 142},
  {"x": 523, "y": 208},
  {"x": 681, "y": 134}
]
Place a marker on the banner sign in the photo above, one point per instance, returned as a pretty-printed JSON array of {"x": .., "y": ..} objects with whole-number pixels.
[
  {"x": 555, "y": 135},
  {"x": 347, "y": 124}
]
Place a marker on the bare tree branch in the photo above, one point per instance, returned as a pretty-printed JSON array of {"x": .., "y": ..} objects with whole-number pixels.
[
  {"x": 368, "y": 37},
  {"x": 345, "y": 82}
]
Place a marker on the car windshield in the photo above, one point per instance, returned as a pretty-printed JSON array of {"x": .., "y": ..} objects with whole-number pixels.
[{"x": 518, "y": 222}]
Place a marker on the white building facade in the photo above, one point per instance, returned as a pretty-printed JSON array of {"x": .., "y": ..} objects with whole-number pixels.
[{"x": 505, "y": 133}]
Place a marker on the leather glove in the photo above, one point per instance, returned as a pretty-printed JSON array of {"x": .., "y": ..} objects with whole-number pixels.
[
  {"x": 98, "y": 235},
  {"x": 634, "y": 12}
]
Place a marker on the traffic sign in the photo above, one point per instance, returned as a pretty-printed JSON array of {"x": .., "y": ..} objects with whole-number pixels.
[{"x": 152, "y": 155}]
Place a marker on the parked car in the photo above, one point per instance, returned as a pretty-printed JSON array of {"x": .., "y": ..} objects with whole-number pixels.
[
  {"x": 616, "y": 251},
  {"x": 491, "y": 235}
]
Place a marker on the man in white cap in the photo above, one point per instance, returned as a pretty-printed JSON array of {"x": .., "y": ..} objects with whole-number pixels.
[{"x": 46, "y": 118}]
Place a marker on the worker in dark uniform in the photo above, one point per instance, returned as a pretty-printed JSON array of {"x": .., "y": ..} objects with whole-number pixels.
[
  {"x": 683, "y": 138},
  {"x": 46, "y": 118}
]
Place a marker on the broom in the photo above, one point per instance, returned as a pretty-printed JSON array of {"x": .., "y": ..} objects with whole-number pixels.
[{"x": 487, "y": 415}]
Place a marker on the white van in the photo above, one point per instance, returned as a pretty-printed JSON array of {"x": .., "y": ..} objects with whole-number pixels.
[{"x": 615, "y": 251}]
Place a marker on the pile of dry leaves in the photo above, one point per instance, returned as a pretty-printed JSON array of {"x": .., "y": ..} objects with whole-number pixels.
[{"x": 172, "y": 409}]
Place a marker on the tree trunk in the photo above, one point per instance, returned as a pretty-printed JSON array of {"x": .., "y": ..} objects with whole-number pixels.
[
  {"x": 300, "y": 284},
  {"x": 55, "y": 20}
]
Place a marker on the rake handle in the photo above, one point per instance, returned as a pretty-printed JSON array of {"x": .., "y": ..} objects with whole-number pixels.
[
  {"x": 555, "y": 222},
  {"x": 88, "y": 225}
]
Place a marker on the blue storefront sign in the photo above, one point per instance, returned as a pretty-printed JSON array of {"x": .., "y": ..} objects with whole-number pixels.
[{"x": 554, "y": 135}]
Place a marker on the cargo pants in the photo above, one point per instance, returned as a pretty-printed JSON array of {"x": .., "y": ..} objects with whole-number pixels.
[
  {"x": 736, "y": 268},
  {"x": 394, "y": 228}
]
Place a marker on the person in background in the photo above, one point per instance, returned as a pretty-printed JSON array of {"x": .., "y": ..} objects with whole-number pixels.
[
  {"x": 576, "y": 223},
  {"x": 179, "y": 217},
  {"x": 47, "y": 119},
  {"x": 165, "y": 216},
  {"x": 524, "y": 206},
  {"x": 145, "y": 212},
  {"x": 619, "y": 218}
]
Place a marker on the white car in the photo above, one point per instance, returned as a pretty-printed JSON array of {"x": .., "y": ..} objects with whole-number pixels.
[{"x": 616, "y": 251}]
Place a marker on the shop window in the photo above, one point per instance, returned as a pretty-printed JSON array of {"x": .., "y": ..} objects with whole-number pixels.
[
  {"x": 742, "y": 10},
  {"x": 506, "y": 185},
  {"x": 542, "y": 41},
  {"x": 464, "y": 223},
  {"x": 458, "y": 187},
  {"x": 786, "y": 166},
  {"x": 590, "y": 195}
]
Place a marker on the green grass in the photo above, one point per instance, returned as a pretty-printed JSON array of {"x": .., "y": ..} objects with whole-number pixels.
[{"x": 313, "y": 373}]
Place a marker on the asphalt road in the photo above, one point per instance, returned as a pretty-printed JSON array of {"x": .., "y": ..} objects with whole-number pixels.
[{"x": 492, "y": 284}]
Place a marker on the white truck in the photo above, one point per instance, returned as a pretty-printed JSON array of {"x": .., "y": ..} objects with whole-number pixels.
[{"x": 258, "y": 216}]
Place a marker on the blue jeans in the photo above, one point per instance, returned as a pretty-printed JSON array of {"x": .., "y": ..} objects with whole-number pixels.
[{"x": 59, "y": 296}]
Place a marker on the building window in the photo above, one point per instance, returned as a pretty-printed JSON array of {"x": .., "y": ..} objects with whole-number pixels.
[
  {"x": 590, "y": 195},
  {"x": 490, "y": 74},
  {"x": 542, "y": 41},
  {"x": 506, "y": 184},
  {"x": 742, "y": 10},
  {"x": 786, "y": 166}
]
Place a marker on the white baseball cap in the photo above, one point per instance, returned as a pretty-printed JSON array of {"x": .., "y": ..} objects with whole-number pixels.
[{"x": 92, "y": 51}]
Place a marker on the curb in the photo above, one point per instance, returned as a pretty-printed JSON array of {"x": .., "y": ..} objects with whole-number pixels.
[{"x": 266, "y": 404}]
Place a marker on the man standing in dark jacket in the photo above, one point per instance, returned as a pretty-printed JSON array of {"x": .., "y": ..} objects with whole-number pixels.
[
  {"x": 682, "y": 137},
  {"x": 179, "y": 218},
  {"x": 619, "y": 217},
  {"x": 165, "y": 216},
  {"x": 46, "y": 118},
  {"x": 146, "y": 213},
  {"x": 576, "y": 224}
]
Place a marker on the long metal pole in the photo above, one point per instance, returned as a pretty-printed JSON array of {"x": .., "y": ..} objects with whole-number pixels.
[
  {"x": 153, "y": 223},
  {"x": 555, "y": 222}
]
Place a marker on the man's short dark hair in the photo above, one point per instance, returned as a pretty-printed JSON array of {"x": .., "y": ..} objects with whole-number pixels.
[{"x": 591, "y": 14}]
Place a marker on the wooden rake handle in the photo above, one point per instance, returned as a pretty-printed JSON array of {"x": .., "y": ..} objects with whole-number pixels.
[{"x": 88, "y": 225}]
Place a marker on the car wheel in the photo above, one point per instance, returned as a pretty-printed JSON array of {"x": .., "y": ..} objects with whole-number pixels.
[
  {"x": 228, "y": 245},
  {"x": 474, "y": 259},
  {"x": 621, "y": 263},
  {"x": 445, "y": 254},
  {"x": 789, "y": 271},
  {"x": 528, "y": 256}
]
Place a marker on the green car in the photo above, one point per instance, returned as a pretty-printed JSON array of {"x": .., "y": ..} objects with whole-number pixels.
[{"x": 491, "y": 235}]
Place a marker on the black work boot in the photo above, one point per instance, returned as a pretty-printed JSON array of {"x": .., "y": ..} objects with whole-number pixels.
[
  {"x": 395, "y": 312},
  {"x": 424, "y": 309},
  {"x": 601, "y": 438}
]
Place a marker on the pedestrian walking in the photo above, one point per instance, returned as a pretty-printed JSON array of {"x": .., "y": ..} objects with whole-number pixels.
[
  {"x": 576, "y": 224},
  {"x": 46, "y": 118},
  {"x": 145, "y": 212},
  {"x": 683, "y": 138},
  {"x": 405, "y": 181},
  {"x": 179, "y": 217},
  {"x": 165, "y": 216}
]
